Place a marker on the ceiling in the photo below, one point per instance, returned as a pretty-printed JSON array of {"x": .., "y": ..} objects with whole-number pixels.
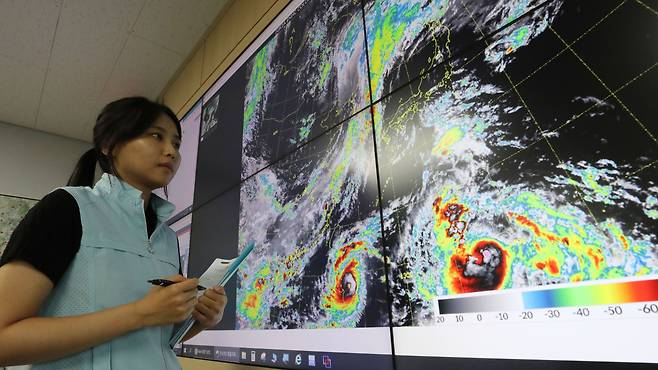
[{"x": 61, "y": 61}]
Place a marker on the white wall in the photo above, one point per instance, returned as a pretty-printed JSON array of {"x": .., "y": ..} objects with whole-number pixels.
[{"x": 32, "y": 163}]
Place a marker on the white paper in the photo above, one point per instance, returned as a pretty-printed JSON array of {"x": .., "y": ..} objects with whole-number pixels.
[
  {"x": 219, "y": 273},
  {"x": 214, "y": 273}
]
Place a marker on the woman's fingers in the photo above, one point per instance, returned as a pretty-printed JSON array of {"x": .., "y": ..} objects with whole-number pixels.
[{"x": 205, "y": 309}]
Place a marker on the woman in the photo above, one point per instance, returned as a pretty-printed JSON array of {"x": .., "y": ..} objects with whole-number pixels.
[{"x": 75, "y": 270}]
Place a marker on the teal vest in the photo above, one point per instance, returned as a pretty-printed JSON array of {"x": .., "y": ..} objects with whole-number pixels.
[{"x": 115, "y": 260}]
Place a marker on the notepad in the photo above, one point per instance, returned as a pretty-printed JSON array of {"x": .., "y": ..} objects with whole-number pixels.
[{"x": 219, "y": 272}]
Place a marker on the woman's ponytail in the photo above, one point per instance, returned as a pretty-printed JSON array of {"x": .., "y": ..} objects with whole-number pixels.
[{"x": 85, "y": 170}]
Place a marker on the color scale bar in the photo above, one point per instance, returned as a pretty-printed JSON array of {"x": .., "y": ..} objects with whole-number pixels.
[
  {"x": 586, "y": 295},
  {"x": 486, "y": 303},
  {"x": 590, "y": 295}
]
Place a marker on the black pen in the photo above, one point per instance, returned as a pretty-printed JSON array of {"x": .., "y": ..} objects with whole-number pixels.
[{"x": 165, "y": 282}]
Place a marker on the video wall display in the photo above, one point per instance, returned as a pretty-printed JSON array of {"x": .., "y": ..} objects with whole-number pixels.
[
  {"x": 315, "y": 220},
  {"x": 220, "y": 145},
  {"x": 183, "y": 228},
  {"x": 510, "y": 190},
  {"x": 307, "y": 78},
  {"x": 427, "y": 174},
  {"x": 215, "y": 227}
]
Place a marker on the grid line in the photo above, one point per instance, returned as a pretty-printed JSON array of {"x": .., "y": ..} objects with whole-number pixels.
[
  {"x": 561, "y": 51},
  {"x": 384, "y": 247},
  {"x": 576, "y": 117},
  {"x": 427, "y": 71},
  {"x": 606, "y": 86},
  {"x": 543, "y": 133},
  {"x": 647, "y": 7},
  {"x": 567, "y": 47},
  {"x": 550, "y": 146},
  {"x": 641, "y": 169}
]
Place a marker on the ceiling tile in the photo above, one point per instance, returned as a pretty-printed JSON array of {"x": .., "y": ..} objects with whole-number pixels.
[
  {"x": 89, "y": 40},
  {"x": 88, "y": 24},
  {"x": 142, "y": 69},
  {"x": 90, "y": 52},
  {"x": 90, "y": 37},
  {"x": 71, "y": 91},
  {"x": 177, "y": 24},
  {"x": 208, "y": 10},
  {"x": 27, "y": 29},
  {"x": 66, "y": 114},
  {"x": 186, "y": 83},
  {"x": 19, "y": 95}
]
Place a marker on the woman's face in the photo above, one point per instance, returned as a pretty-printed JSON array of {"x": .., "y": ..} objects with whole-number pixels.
[{"x": 150, "y": 160}]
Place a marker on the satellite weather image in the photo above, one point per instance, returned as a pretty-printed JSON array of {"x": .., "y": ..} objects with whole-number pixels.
[{"x": 394, "y": 152}]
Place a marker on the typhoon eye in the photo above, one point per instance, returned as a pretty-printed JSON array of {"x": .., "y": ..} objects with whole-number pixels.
[{"x": 349, "y": 285}]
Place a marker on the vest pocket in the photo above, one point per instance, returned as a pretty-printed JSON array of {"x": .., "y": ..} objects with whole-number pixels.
[{"x": 121, "y": 276}]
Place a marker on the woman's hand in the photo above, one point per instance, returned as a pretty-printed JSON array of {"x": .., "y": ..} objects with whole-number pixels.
[
  {"x": 210, "y": 308},
  {"x": 168, "y": 305}
]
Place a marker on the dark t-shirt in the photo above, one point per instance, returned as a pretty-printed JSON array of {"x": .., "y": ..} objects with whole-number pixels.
[{"x": 49, "y": 235}]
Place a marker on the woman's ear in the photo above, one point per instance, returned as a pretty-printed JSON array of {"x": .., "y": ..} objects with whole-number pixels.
[{"x": 103, "y": 150}]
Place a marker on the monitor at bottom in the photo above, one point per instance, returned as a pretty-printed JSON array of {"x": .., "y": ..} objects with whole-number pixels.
[{"x": 360, "y": 348}]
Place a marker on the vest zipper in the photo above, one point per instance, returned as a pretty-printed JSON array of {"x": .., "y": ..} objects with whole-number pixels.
[
  {"x": 149, "y": 244},
  {"x": 149, "y": 248},
  {"x": 164, "y": 358}
]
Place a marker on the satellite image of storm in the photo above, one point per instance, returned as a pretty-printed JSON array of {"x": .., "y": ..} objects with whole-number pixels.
[{"x": 394, "y": 152}]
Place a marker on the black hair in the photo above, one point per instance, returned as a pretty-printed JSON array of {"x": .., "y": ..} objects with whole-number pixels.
[{"x": 120, "y": 121}]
